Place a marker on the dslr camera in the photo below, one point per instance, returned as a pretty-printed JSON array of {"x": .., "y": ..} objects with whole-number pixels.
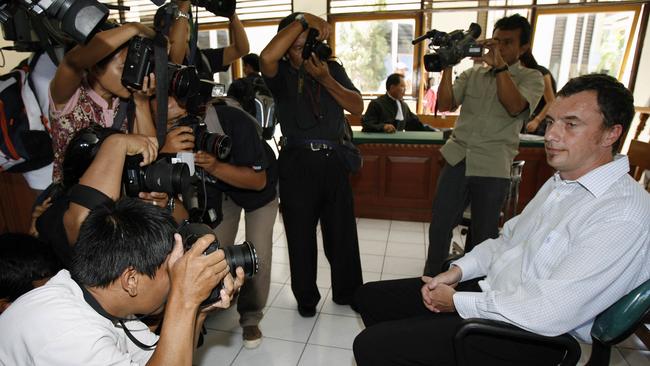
[
  {"x": 322, "y": 50},
  {"x": 240, "y": 255},
  {"x": 222, "y": 8},
  {"x": 184, "y": 81},
  {"x": 215, "y": 143},
  {"x": 452, "y": 47},
  {"x": 160, "y": 176}
]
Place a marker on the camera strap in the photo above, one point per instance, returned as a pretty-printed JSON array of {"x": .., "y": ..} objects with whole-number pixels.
[
  {"x": 95, "y": 305},
  {"x": 162, "y": 85}
]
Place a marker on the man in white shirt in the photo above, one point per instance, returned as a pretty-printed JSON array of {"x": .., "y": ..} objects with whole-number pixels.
[
  {"x": 580, "y": 245},
  {"x": 127, "y": 260}
]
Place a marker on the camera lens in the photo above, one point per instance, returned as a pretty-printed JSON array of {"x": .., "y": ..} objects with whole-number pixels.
[
  {"x": 183, "y": 82},
  {"x": 432, "y": 62},
  {"x": 215, "y": 143},
  {"x": 163, "y": 176},
  {"x": 242, "y": 255}
]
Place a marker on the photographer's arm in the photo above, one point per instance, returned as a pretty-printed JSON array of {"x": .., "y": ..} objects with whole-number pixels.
[
  {"x": 445, "y": 101},
  {"x": 179, "y": 34},
  {"x": 143, "y": 123},
  {"x": 239, "y": 45},
  {"x": 509, "y": 94},
  {"x": 105, "y": 174},
  {"x": 73, "y": 67},
  {"x": 282, "y": 41},
  {"x": 350, "y": 100},
  {"x": 237, "y": 176}
]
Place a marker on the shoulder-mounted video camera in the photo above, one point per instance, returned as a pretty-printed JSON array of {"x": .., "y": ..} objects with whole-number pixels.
[{"x": 452, "y": 47}]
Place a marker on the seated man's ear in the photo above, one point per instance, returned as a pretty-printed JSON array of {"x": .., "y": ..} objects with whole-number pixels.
[
  {"x": 129, "y": 281},
  {"x": 4, "y": 304}
]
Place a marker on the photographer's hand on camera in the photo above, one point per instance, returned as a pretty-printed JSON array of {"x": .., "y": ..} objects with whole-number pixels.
[
  {"x": 322, "y": 26},
  {"x": 493, "y": 56},
  {"x": 229, "y": 291},
  {"x": 237, "y": 176},
  {"x": 144, "y": 123},
  {"x": 179, "y": 139}
]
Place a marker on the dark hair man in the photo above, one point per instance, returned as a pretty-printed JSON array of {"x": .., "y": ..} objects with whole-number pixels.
[
  {"x": 26, "y": 263},
  {"x": 581, "y": 244},
  {"x": 388, "y": 113},
  {"x": 496, "y": 99},
  {"x": 310, "y": 97},
  {"x": 251, "y": 64},
  {"x": 126, "y": 260}
]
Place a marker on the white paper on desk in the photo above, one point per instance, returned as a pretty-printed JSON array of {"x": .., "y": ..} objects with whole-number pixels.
[{"x": 527, "y": 137}]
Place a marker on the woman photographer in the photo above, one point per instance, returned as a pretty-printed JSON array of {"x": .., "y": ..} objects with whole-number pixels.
[{"x": 86, "y": 89}]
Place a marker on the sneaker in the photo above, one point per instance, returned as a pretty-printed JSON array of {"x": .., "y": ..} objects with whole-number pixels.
[
  {"x": 306, "y": 311},
  {"x": 252, "y": 336}
]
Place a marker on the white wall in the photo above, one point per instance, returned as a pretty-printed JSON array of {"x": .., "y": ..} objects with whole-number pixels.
[
  {"x": 642, "y": 86},
  {"x": 12, "y": 58},
  {"x": 316, "y": 7}
]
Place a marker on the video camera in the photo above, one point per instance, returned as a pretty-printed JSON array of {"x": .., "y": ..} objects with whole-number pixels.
[
  {"x": 222, "y": 8},
  {"x": 452, "y": 47},
  {"x": 241, "y": 255},
  {"x": 322, "y": 50},
  {"x": 79, "y": 19}
]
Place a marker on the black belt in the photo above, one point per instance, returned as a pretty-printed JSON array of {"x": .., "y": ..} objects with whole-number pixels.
[{"x": 310, "y": 144}]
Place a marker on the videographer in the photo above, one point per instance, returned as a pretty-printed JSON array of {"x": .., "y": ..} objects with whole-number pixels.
[
  {"x": 86, "y": 89},
  {"x": 246, "y": 180},
  {"x": 310, "y": 96},
  {"x": 127, "y": 261},
  {"x": 496, "y": 99}
]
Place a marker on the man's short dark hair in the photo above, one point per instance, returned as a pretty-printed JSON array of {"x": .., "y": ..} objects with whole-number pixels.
[
  {"x": 127, "y": 234},
  {"x": 393, "y": 79},
  {"x": 615, "y": 101},
  {"x": 287, "y": 20},
  {"x": 253, "y": 60},
  {"x": 23, "y": 260},
  {"x": 515, "y": 22}
]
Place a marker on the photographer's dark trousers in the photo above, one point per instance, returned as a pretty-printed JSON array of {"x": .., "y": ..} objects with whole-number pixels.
[
  {"x": 401, "y": 331},
  {"x": 259, "y": 231},
  {"x": 453, "y": 193},
  {"x": 315, "y": 186}
]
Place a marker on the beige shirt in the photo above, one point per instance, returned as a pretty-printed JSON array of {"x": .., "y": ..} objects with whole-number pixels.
[{"x": 485, "y": 135}]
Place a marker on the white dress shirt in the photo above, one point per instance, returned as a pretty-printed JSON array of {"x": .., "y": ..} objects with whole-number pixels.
[
  {"x": 399, "y": 116},
  {"x": 577, "y": 248},
  {"x": 53, "y": 325}
]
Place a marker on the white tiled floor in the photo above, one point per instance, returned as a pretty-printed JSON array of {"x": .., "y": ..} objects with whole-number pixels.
[{"x": 389, "y": 249}]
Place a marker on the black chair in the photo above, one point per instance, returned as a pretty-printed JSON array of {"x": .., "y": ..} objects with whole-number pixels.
[{"x": 612, "y": 326}]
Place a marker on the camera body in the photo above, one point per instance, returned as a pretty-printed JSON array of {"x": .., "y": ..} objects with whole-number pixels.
[
  {"x": 452, "y": 47},
  {"x": 184, "y": 81},
  {"x": 222, "y": 8},
  {"x": 240, "y": 255},
  {"x": 322, "y": 50},
  {"x": 212, "y": 142},
  {"x": 160, "y": 176}
]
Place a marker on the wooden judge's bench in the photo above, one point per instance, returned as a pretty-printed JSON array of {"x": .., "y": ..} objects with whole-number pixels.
[{"x": 400, "y": 171}]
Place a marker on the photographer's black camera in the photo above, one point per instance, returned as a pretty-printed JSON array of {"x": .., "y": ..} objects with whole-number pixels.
[
  {"x": 222, "y": 8},
  {"x": 312, "y": 45},
  {"x": 212, "y": 142},
  {"x": 184, "y": 81},
  {"x": 241, "y": 255},
  {"x": 160, "y": 176},
  {"x": 452, "y": 47}
]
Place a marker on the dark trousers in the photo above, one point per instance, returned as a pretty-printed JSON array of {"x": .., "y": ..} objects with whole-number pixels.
[
  {"x": 453, "y": 193},
  {"x": 315, "y": 186},
  {"x": 401, "y": 331}
]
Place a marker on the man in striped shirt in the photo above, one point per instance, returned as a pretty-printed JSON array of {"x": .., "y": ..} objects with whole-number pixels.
[{"x": 580, "y": 245}]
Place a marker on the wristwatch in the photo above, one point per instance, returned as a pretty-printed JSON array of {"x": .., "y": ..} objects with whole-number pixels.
[
  {"x": 500, "y": 69},
  {"x": 180, "y": 14},
  {"x": 301, "y": 18}
]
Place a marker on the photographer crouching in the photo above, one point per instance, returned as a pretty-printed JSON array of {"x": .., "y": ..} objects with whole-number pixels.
[
  {"x": 127, "y": 260},
  {"x": 311, "y": 93}
]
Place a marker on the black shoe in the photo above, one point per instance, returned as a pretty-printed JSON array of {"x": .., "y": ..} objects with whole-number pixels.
[{"x": 307, "y": 311}]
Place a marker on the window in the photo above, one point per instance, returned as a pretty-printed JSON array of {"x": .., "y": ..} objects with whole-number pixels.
[
  {"x": 370, "y": 50},
  {"x": 586, "y": 40}
]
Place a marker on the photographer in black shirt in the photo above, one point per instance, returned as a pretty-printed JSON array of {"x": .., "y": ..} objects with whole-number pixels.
[{"x": 310, "y": 96}]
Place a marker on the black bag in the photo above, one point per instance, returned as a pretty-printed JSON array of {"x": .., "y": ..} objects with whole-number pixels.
[{"x": 348, "y": 151}]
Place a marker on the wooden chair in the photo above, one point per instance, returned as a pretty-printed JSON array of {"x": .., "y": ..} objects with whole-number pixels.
[{"x": 639, "y": 156}]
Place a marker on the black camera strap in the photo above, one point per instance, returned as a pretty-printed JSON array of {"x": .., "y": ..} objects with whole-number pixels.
[
  {"x": 162, "y": 85},
  {"x": 95, "y": 305}
]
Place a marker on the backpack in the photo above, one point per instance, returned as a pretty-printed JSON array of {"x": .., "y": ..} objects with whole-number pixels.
[
  {"x": 25, "y": 144},
  {"x": 256, "y": 99}
]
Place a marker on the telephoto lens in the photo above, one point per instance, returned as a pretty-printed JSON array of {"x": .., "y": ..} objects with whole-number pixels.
[
  {"x": 161, "y": 176},
  {"x": 241, "y": 255}
]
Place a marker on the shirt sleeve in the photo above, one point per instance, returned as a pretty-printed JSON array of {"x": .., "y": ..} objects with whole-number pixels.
[
  {"x": 247, "y": 149},
  {"x": 338, "y": 73},
  {"x": 69, "y": 105},
  {"x": 599, "y": 264},
  {"x": 459, "y": 86},
  {"x": 215, "y": 59},
  {"x": 371, "y": 119},
  {"x": 531, "y": 88}
]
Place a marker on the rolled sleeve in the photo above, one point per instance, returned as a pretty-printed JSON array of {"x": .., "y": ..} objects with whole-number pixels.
[
  {"x": 466, "y": 304},
  {"x": 532, "y": 89}
]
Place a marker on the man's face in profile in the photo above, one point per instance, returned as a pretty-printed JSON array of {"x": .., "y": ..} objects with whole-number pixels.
[
  {"x": 154, "y": 291},
  {"x": 397, "y": 91},
  {"x": 575, "y": 138}
]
